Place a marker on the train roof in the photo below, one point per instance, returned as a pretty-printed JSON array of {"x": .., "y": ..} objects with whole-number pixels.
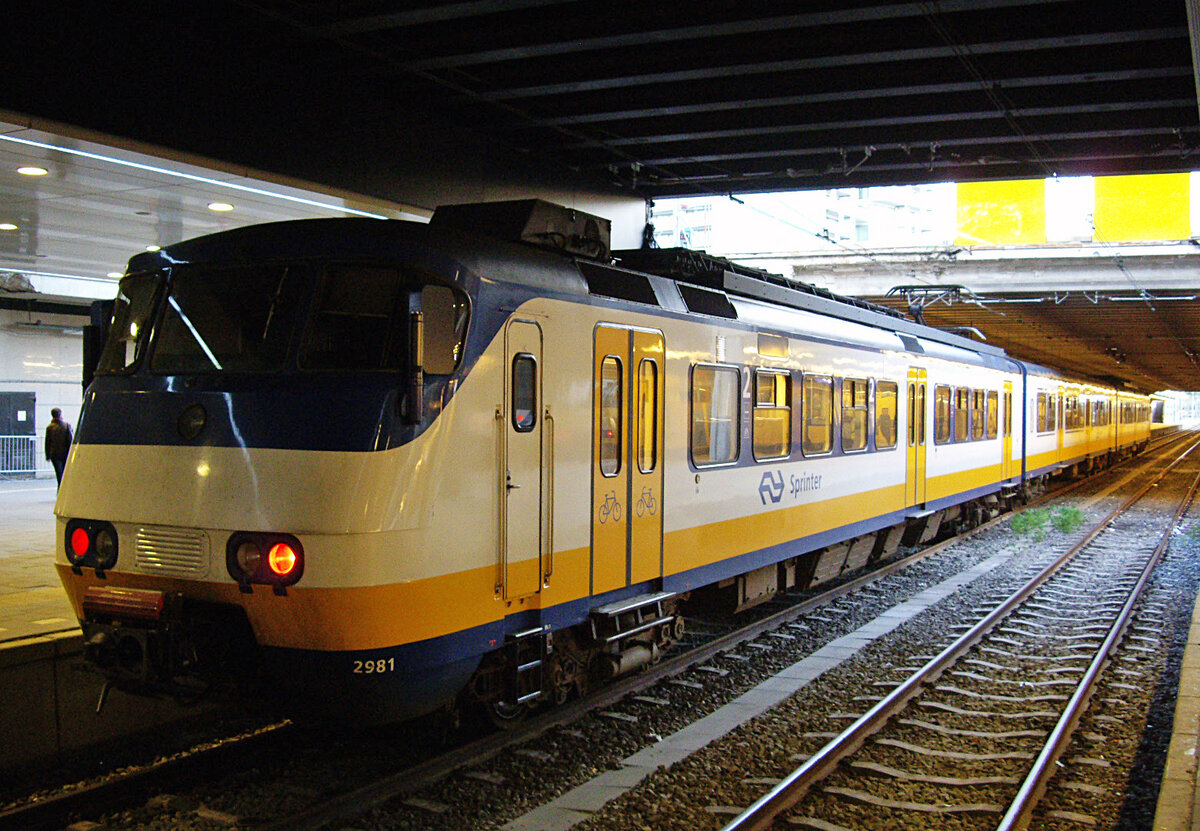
[{"x": 658, "y": 277}]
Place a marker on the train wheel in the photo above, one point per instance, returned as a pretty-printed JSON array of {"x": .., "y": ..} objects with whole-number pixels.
[{"x": 504, "y": 715}]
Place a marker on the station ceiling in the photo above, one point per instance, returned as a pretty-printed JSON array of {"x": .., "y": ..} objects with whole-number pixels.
[
  {"x": 450, "y": 101},
  {"x": 1145, "y": 343},
  {"x": 656, "y": 99}
]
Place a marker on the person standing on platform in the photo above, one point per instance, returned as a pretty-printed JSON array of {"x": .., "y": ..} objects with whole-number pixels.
[{"x": 58, "y": 442}]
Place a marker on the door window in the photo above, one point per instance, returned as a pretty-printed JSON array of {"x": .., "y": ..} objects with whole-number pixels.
[
  {"x": 609, "y": 440},
  {"x": 647, "y": 416},
  {"x": 524, "y": 393}
]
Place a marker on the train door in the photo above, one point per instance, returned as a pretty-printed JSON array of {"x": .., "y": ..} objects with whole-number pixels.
[
  {"x": 627, "y": 467},
  {"x": 1006, "y": 428},
  {"x": 917, "y": 396},
  {"x": 1059, "y": 427},
  {"x": 522, "y": 486}
]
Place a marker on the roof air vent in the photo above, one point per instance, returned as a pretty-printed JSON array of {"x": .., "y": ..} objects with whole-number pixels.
[{"x": 534, "y": 222}]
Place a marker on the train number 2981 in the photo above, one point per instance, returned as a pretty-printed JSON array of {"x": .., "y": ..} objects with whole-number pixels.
[{"x": 372, "y": 667}]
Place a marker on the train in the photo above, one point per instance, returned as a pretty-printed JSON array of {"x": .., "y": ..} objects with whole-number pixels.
[{"x": 381, "y": 469}]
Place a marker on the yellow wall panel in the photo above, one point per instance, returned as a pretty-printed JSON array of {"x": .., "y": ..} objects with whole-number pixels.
[
  {"x": 1002, "y": 213},
  {"x": 1135, "y": 208}
]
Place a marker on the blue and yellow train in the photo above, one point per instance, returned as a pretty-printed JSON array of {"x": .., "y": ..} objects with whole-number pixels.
[{"x": 389, "y": 468}]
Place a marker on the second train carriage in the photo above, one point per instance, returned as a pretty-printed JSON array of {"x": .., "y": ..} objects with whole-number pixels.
[{"x": 396, "y": 466}]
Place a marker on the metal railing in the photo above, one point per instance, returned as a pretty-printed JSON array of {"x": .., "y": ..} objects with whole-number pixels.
[{"x": 22, "y": 456}]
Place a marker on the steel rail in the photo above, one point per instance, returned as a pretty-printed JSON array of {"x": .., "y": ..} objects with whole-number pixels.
[
  {"x": 793, "y": 788},
  {"x": 60, "y": 809},
  {"x": 1020, "y": 811}
]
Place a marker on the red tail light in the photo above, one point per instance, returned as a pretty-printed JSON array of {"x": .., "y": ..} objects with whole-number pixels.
[
  {"x": 92, "y": 543},
  {"x": 80, "y": 543},
  {"x": 282, "y": 559},
  {"x": 264, "y": 558}
]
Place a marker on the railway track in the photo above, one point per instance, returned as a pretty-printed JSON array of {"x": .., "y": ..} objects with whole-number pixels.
[
  {"x": 410, "y": 778},
  {"x": 975, "y": 732}
]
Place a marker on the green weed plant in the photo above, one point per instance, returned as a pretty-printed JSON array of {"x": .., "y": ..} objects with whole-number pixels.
[
  {"x": 1034, "y": 523},
  {"x": 1067, "y": 520}
]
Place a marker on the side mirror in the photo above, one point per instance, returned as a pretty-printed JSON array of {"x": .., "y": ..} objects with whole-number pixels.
[
  {"x": 416, "y": 381},
  {"x": 95, "y": 333}
]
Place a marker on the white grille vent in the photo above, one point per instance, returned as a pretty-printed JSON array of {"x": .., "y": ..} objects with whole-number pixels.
[{"x": 171, "y": 551}]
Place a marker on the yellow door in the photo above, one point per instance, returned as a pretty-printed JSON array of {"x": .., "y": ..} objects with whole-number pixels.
[
  {"x": 646, "y": 468},
  {"x": 627, "y": 439},
  {"x": 1006, "y": 426},
  {"x": 521, "y": 498},
  {"x": 916, "y": 433},
  {"x": 1057, "y": 404}
]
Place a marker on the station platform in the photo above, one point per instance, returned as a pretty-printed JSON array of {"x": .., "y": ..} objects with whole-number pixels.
[
  {"x": 32, "y": 601},
  {"x": 1179, "y": 795},
  {"x": 48, "y": 713}
]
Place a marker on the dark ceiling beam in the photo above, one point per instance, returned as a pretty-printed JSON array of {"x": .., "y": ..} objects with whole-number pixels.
[
  {"x": 936, "y": 169},
  {"x": 940, "y": 118},
  {"x": 942, "y": 142},
  {"x": 1049, "y": 81},
  {"x": 835, "y": 62},
  {"x": 434, "y": 14},
  {"x": 660, "y": 37}
]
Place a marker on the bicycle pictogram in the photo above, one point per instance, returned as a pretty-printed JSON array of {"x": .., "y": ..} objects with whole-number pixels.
[
  {"x": 610, "y": 508},
  {"x": 646, "y": 503}
]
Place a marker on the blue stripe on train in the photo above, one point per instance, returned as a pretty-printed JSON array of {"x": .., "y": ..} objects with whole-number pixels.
[{"x": 289, "y": 411}]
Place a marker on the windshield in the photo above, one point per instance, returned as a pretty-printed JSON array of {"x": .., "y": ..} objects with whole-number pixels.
[
  {"x": 229, "y": 319},
  {"x": 357, "y": 323},
  {"x": 249, "y": 319},
  {"x": 132, "y": 314}
]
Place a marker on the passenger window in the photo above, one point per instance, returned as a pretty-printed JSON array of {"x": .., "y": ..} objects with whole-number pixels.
[
  {"x": 886, "y": 395},
  {"x": 854, "y": 414},
  {"x": 962, "y": 413},
  {"x": 716, "y": 410},
  {"x": 1041, "y": 412},
  {"x": 941, "y": 415},
  {"x": 647, "y": 416},
  {"x": 445, "y": 321},
  {"x": 818, "y": 415},
  {"x": 977, "y": 414},
  {"x": 1072, "y": 414},
  {"x": 611, "y": 416},
  {"x": 772, "y": 415},
  {"x": 1051, "y": 412},
  {"x": 993, "y": 414},
  {"x": 524, "y": 393}
]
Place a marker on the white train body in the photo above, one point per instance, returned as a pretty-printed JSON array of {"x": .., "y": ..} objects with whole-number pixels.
[{"x": 503, "y": 490}]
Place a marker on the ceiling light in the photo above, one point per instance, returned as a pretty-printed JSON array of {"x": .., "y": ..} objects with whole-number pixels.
[
  {"x": 7, "y": 226},
  {"x": 116, "y": 274},
  {"x": 189, "y": 177},
  {"x": 220, "y": 207},
  {"x": 32, "y": 170}
]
